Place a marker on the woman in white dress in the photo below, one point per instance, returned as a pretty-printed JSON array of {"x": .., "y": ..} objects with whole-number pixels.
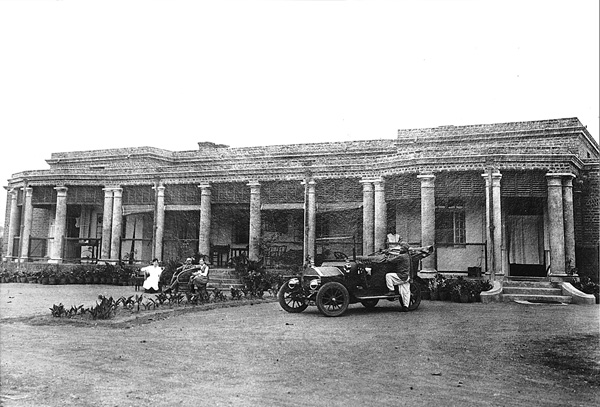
[{"x": 152, "y": 274}]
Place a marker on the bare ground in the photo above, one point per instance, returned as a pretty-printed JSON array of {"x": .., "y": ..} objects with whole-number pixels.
[{"x": 442, "y": 354}]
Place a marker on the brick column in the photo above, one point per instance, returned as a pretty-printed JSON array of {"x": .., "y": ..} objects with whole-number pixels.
[
  {"x": 205, "y": 219},
  {"x": 368, "y": 217},
  {"x": 106, "y": 224},
  {"x": 494, "y": 227},
  {"x": 380, "y": 224},
  {"x": 13, "y": 222},
  {"x": 117, "y": 223},
  {"x": 254, "y": 235},
  {"x": 557, "y": 225},
  {"x": 159, "y": 222},
  {"x": 428, "y": 264},
  {"x": 60, "y": 225},
  {"x": 27, "y": 223},
  {"x": 569, "y": 221}
]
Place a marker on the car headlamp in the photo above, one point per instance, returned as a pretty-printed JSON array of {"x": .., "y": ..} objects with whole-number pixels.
[
  {"x": 293, "y": 283},
  {"x": 314, "y": 284}
]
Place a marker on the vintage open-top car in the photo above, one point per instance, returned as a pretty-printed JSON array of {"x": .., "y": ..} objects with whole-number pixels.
[{"x": 335, "y": 284}]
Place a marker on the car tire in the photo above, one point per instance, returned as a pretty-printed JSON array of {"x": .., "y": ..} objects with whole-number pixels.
[
  {"x": 289, "y": 301},
  {"x": 333, "y": 299},
  {"x": 415, "y": 296},
  {"x": 369, "y": 304}
]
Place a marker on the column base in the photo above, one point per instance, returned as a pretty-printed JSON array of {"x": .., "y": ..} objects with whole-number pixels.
[
  {"x": 562, "y": 277},
  {"x": 55, "y": 261},
  {"x": 427, "y": 273}
]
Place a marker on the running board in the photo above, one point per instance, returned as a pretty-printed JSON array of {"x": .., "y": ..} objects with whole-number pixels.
[{"x": 377, "y": 297}]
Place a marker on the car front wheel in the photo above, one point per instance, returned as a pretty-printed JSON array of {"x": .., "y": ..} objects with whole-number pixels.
[
  {"x": 333, "y": 299},
  {"x": 291, "y": 300}
]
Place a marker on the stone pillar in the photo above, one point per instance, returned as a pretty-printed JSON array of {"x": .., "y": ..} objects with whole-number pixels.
[
  {"x": 494, "y": 227},
  {"x": 106, "y": 224},
  {"x": 380, "y": 224},
  {"x": 368, "y": 217},
  {"x": 569, "y": 221},
  {"x": 27, "y": 223},
  {"x": 557, "y": 225},
  {"x": 311, "y": 232},
  {"x": 254, "y": 235},
  {"x": 159, "y": 222},
  {"x": 117, "y": 223},
  {"x": 60, "y": 225},
  {"x": 205, "y": 219},
  {"x": 13, "y": 222},
  {"x": 428, "y": 264}
]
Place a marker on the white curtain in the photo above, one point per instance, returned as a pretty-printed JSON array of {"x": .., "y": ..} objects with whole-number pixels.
[{"x": 525, "y": 235}]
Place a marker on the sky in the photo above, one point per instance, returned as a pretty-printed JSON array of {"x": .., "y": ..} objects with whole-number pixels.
[{"x": 85, "y": 75}]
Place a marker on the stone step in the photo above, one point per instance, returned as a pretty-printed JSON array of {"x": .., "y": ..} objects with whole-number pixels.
[
  {"x": 524, "y": 283},
  {"x": 536, "y": 298},
  {"x": 532, "y": 290}
]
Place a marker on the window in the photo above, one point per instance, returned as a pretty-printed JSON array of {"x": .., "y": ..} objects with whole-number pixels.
[{"x": 450, "y": 222}]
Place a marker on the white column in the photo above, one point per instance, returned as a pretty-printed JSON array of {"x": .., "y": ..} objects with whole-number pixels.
[
  {"x": 205, "y": 220},
  {"x": 159, "y": 222},
  {"x": 494, "y": 227},
  {"x": 557, "y": 225},
  {"x": 428, "y": 223},
  {"x": 569, "y": 221},
  {"x": 13, "y": 222},
  {"x": 60, "y": 225},
  {"x": 27, "y": 223},
  {"x": 117, "y": 223},
  {"x": 254, "y": 233},
  {"x": 380, "y": 206},
  {"x": 106, "y": 224},
  {"x": 368, "y": 217},
  {"x": 311, "y": 232}
]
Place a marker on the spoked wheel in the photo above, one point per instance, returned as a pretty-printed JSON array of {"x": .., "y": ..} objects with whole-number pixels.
[
  {"x": 291, "y": 300},
  {"x": 369, "y": 304},
  {"x": 333, "y": 299},
  {"x": 415, "y": 296}
]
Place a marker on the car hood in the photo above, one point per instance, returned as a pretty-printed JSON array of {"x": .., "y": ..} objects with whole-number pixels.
[{"x": 323, "y": 271}]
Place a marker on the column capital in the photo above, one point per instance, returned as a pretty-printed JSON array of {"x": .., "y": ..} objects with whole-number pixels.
[
  {"x": 311, "y": 184},
  {"x": 367, "y": 185},
  {"x": 61, "y": 189},
  {"x": 427, "y": 180},
  {"x": 378, "y": 181},
  {"x": 496, "y": 177},
  {"x": 205, "y": 185},
  {"x": 426, "y": 176},
  {"x": 111, "y": 188},
  {"x": 254, "y": 187},
  {"x": 27, "y": 190},
  {"x": 560, "y": 175},
  {"x": 567, "y": 182}
]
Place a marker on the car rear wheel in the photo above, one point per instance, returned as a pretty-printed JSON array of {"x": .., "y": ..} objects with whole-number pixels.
[
  {"x": 369, "y": 304},
  {"x": 415, "y": 296},
  {"x": 333, "y": 299},
  {"x": 291, "y": 300}
]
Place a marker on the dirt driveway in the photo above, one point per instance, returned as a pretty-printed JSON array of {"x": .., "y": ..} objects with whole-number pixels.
[{"x": 258, "y": 355}]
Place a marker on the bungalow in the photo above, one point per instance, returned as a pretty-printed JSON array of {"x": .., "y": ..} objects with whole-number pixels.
[{"x": 506, "y": 199}]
